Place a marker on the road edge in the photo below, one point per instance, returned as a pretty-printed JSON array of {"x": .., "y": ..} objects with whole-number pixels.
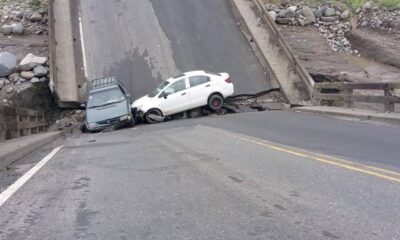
[
  {"x": 22, "y": 150},
  {"x": 392, "y": 118}
]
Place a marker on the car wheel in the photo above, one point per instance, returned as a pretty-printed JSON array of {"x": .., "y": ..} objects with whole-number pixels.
[
  {"x": 215, "y": 101},
  {"x": 84, "y": 128},
  {"x": 151, "y": 120}
]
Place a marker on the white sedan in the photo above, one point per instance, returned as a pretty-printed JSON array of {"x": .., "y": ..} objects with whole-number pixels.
[{"x": 184, "y": 92}]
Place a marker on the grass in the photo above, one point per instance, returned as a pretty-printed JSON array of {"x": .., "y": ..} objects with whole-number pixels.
[{"x": 389, "y": 3}]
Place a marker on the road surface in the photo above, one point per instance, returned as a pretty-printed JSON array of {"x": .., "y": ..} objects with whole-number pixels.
[
  {"x": 143, "y": 42},
  {"x": 245, "y": 176}
]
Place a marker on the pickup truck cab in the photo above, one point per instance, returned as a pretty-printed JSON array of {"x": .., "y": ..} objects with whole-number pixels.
[{"x": 107, "y": 105}]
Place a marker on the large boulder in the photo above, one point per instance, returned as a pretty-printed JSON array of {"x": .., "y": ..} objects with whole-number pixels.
[
  {"x": 345, "y": 15},
  {"x": 309, "y": 17},
  {"x": 329, "y": 12},
  {"x": 30, "y": 61},
  {"x": 273, "y": 15},
  {"x": 35, "y": 17},
  {"x": 8, "y": 62},
  {"x": 40, "y": 71},
  {"x": 7, "y": 29},
  {"x": 18, "y": 28},
  {"x": 367, "y": 5},
  {"x": 286, "y": 13}
]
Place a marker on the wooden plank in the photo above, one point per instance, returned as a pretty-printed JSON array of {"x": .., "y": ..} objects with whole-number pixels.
[{"x": 357, "y": 98}]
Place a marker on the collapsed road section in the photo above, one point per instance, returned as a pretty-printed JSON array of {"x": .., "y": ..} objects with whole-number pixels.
[{"x": 143, "y": 57}]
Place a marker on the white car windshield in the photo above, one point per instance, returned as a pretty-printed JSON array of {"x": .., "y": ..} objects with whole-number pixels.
[
  {"x": 159, "y": 89},
  {"x": 103, "y": 98}
]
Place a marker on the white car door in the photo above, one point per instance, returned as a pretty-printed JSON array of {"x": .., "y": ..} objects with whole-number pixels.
[
  {"x": 199, "y": 91},
  {"x": 176, "y": 98}
]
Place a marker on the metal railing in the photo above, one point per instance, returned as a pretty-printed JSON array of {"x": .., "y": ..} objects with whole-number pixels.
[
  {"x": 18, "y": 122},
  {"x": 344, "y": 92}
]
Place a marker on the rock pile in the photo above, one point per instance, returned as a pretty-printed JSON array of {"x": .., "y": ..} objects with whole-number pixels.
[
  {"x": 32, "y": 69},
  {"x": 333, "y": 20},
  {"x": 17, "y": 19},
  {"x": 381, "y": 19}
]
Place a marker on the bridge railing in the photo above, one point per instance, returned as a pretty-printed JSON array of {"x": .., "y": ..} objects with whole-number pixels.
[
  {"x": 345, "y": 93},
  {"x": 18, "y": 122}
]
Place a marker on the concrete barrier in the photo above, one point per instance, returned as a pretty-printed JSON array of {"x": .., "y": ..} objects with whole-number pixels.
[
  {"x": 15, "y": 149},
  {"x": 63, "y": 43},
  {"x": 295, "y": 82}
]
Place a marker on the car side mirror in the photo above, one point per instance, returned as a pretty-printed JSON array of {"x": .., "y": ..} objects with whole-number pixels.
[
  {"x": 164, "y": 95},
  {"x": 83, "y": 105}
]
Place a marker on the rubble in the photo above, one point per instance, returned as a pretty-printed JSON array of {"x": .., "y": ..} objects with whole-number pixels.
[{"x": 19, "y": 17}]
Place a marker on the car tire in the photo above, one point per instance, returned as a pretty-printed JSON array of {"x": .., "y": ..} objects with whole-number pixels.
[
  {"x": 84, "y": 128},
  {"x": 215, "y": 101},
  {"x": 154, "y": 112}
]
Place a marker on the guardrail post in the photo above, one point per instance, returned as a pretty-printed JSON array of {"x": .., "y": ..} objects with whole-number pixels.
[
  {"x": 315, "y": 95},
  {"x": 389, "y": 105},
  {"x": 349, "y": 101},
  {"x": 2, "y": 124}
]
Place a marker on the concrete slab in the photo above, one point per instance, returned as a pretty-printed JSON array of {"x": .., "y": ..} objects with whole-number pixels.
[{"x": 15, "y": 149}]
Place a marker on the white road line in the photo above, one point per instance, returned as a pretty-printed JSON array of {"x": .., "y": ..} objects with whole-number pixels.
[
  {"x": 83, "y": 45},
  {"x": 6, "y": 194}
]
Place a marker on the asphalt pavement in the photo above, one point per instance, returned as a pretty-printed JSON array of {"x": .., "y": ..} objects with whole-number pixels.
[
  {"x": 143, "y": 42},
  {"x": 216, "y": 178}
]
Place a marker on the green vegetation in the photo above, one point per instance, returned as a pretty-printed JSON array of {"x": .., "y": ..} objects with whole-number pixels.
[{"x": 389, "y": 3}]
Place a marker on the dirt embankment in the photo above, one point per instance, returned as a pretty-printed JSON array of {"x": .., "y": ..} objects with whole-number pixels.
[{"x": 337, "y": 43}]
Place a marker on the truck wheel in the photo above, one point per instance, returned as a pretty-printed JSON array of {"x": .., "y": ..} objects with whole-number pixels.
[
  {"x": 84, "y": 128},
  {"x": 151, "y": 120},
  {"x": 131, "y": 123},
  {"x": 215, "y": 101}
]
